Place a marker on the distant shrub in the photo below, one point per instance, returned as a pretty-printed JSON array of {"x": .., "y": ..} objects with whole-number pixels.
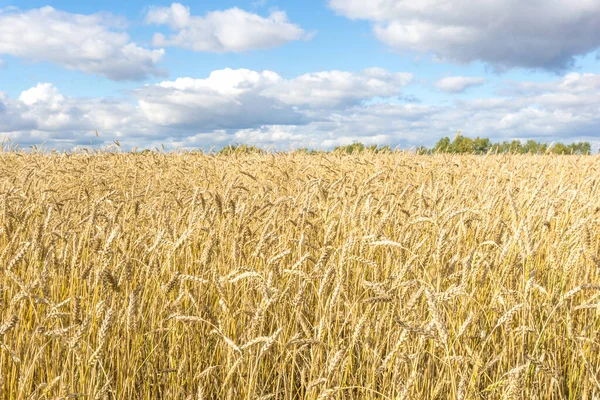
[
  {"x": 240, "y": 149},
  {"x": 305, "y": 150},
  {"x": 359, "y": 148}
]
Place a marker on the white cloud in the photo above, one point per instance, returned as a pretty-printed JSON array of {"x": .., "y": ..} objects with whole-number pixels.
[
  {"x": 44, "y": 93},
  {"x": 90, "y": 43},
  {"x": 502, "y": 33},
  {"x": 335, "y": 88},
  {"x": 255, "y": 107},
  {"x": 243, "y": 98},
  {"x": 380, "y": 124},
  {"x": 458, "y": 84},
  {"x": 43, "y": 114},
  {"x": 231, "y": 30},
  {"x": 226, "y": 99}
]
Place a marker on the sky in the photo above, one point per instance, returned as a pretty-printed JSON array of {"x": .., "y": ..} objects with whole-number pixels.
[{"x": 291, "y": 74}]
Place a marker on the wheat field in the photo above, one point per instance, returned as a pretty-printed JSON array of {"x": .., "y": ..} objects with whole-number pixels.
[{"x": 295, "y": 276}]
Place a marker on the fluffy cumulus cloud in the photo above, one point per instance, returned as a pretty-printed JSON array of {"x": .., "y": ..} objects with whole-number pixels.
[
  {"x": 335, "y": 88},
  {"x": 42, "y": 93},
  {"x": 243, "y": 98},
  {"x": 231, "y": 30},
  {"x": 458, "y": 84},
  {"x": 43, "y": 114},
  {"x": 546, "y": 34},
  {"x": 93, "y": 43},
  {"x": 228, "y": 98},
  {"x": 259, "y": 108},
  {"x": 175, "y": 111}
]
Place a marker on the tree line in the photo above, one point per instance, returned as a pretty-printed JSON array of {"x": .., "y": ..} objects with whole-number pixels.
[
  {"x": 465, "y": 145},
  {"x": 460, "y": 145}
]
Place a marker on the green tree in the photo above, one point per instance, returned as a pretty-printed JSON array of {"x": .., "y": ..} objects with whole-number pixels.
[
  {"x": 516, "y": 147},
  {"x": 358, "y": 147},
  {"x": 532, "y": 147},
  {"x": 239, "y": 149},
  {"x": 351, "y": 148},
  {"x": 306, "y": 150},
  {"x": 443, "y": 145},
  {"x": 580, "y": 148},
  {"x": 462, "y": 145},
  {"x": 482, "y": 146},
  {"x": 423, "y": 150},
  {"x": 379, "y": 149},
  {"x": 560, "y": 148}
]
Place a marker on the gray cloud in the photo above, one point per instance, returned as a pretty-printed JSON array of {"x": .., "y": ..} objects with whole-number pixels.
[
  {"x": 502, "y": 33},
  {"x": 409, "y": 98},
  {"x": 459, "y": 84},
  {"x": 257, "y": 108},
  {"x": 244, "y": 99}
]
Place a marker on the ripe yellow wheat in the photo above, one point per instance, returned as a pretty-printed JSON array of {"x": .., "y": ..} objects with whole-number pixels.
[{"x": 296, "y": 276}]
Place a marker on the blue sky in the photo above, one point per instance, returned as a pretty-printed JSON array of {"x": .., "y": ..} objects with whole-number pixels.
[{"x": 315, "y": 73}]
